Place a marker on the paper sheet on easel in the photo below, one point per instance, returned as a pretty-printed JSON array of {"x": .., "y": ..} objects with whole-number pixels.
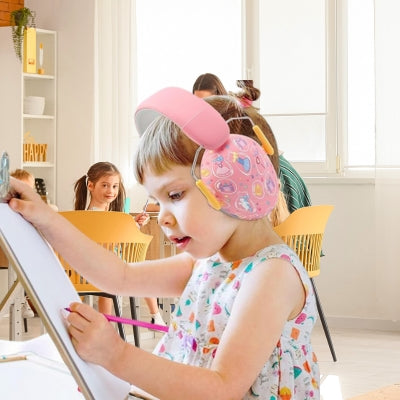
[{"x": 50, "y": 290}]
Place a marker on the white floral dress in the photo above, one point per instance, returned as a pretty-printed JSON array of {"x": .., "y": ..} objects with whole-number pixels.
[{"x": 290, "y": 373}]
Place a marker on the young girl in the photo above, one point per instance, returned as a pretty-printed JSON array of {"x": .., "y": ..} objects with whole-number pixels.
[
  {"x": 103, "y": 183},
  {"x": 243, "y": 324}
]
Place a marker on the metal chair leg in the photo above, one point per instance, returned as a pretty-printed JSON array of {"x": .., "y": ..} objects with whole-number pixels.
[
  {"x": 117, "y": 308},
  {"x": 323, "y": 321},
  {"x": 117, "y": 311},
  {"x": 136, "y": 335}
]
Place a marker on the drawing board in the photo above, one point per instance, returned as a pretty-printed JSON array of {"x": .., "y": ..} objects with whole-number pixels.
[{"x": 50, "y": 290}]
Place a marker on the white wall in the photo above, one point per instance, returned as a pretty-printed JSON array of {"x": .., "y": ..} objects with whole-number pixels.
[
  {"x": 10, "y": 99},
  {"x": 74, "y": 22},
  {"x": 347, "y": 285}
]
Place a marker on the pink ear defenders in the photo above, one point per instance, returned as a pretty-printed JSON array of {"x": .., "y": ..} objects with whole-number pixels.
[{"x": 236, "y": 174}]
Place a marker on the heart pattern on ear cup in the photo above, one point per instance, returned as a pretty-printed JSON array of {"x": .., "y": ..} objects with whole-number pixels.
[{"x": 241, "y": 177}]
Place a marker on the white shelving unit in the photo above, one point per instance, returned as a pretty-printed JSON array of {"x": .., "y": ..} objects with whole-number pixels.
[{"x": 42, "y": 128}]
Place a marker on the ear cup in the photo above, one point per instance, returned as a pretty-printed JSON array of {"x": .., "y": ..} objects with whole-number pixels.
[{"x": 241, "y": 178}]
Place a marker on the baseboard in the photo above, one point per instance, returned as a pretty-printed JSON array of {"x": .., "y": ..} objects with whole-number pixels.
[{"x": 363, "y": 323}]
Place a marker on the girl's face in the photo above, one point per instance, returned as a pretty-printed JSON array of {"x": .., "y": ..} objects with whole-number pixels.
[
  {"x": 104, "y": 191},
  {"x": 185, "y": 216},
  {"x": 203, "y": 93}
]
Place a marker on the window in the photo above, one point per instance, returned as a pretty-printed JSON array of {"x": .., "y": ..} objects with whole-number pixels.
[
  {"x": 185, "y": 39},
  {"x": 294, "y": 59},
  {"x": 312, "y": 60},
  {"x": 360, "y": 84}
]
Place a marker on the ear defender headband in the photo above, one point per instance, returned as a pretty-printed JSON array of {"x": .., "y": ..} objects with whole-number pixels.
[{"x": 237, "y": 176}]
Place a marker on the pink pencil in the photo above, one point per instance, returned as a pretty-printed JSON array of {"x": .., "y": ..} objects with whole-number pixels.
[{"x": 127, "y": 321}]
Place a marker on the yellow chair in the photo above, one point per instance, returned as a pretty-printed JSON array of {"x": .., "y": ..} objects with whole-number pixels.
[
  {"x": 303, "y": 231},
  {"x": 117, "y": 232}
]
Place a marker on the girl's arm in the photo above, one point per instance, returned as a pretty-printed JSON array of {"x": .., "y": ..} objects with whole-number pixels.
[
  {"x": 101, "y": 267},
  {"x": 271, "y": 294}
]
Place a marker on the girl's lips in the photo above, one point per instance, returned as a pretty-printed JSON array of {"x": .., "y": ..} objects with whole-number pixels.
[{"x": 180, "y": 243}]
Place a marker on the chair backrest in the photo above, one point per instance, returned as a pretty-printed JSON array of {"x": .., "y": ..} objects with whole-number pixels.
[
  {"x": 115, "y": 231},
  {"x": 303, "y": 231}
]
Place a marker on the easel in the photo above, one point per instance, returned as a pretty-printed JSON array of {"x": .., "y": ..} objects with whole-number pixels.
[
  {"x": 13, "y": 300},
  {"x": 32, "y": 258}
]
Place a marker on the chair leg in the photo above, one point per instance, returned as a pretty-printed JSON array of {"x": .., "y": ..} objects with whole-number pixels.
[
  {"x": 25, "y": 325},
  {"x": 136, "y": 335},
  {"x": 323, "y": 321},
  {"x": 117, "y": 311}
]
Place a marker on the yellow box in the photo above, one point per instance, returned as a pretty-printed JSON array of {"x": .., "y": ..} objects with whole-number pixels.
[
  {"x": 30, "y": 50},
  {"x": 35, "y": 152}
]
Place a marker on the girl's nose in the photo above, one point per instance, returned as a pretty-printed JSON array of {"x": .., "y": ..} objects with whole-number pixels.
[{"x": 165, "y": 218}]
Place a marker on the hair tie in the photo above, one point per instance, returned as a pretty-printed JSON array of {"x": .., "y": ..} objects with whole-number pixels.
[
  {"x": 245, "y": 102},
  {"x": 86, "y": 180}
]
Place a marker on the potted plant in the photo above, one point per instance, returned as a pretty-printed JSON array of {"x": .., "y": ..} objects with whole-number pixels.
[{"x": 20, "y": 20}]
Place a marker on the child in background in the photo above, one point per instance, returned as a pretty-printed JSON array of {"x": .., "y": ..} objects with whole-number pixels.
[
  {"x": 24, "y": 176},
  {"x": 208, "y": 85},
  {"x": 102, "y": 189},
  {"x": 242, "y": 327},
  {"x": 29, "y": 179}
]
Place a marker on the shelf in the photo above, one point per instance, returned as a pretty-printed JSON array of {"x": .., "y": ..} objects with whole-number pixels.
[
  {"x": 35, "y": 116},
  {"x": 37, "y": 76},
  {"x": 42, "y": 127},
  {"x": 45, "y": 32},
  {"x": 38, "y": 164}
]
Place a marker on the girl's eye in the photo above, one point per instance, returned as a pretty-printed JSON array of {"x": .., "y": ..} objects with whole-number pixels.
[{"x": 175, "y": 196}]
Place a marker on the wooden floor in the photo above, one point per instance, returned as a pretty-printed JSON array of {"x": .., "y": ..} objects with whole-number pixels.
[{"x": 367, "y": 360}]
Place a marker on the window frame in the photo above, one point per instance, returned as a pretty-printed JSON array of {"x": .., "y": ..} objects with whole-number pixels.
[{"x": 334, "y": 144}]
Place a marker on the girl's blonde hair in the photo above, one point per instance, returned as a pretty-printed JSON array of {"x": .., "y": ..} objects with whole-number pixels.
[
  {"x": 162, "y": 146},
  {"x": 22, "y": 175},
  {"x": 280, "y": 211}
]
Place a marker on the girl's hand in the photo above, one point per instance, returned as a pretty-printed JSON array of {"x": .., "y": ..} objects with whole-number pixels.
[
  {"x": 94, "y": 338},
  {"x": 29, "y": 204},
  {"x": 142, "y": 219}
]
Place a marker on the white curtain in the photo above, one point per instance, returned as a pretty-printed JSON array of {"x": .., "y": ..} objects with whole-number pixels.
[
  {"x": 114, "y": 83},
  {"x": 387, "y": 182}
]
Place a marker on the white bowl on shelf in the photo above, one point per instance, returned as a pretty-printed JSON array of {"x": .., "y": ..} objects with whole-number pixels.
[{"x": 34, "y": 105}]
